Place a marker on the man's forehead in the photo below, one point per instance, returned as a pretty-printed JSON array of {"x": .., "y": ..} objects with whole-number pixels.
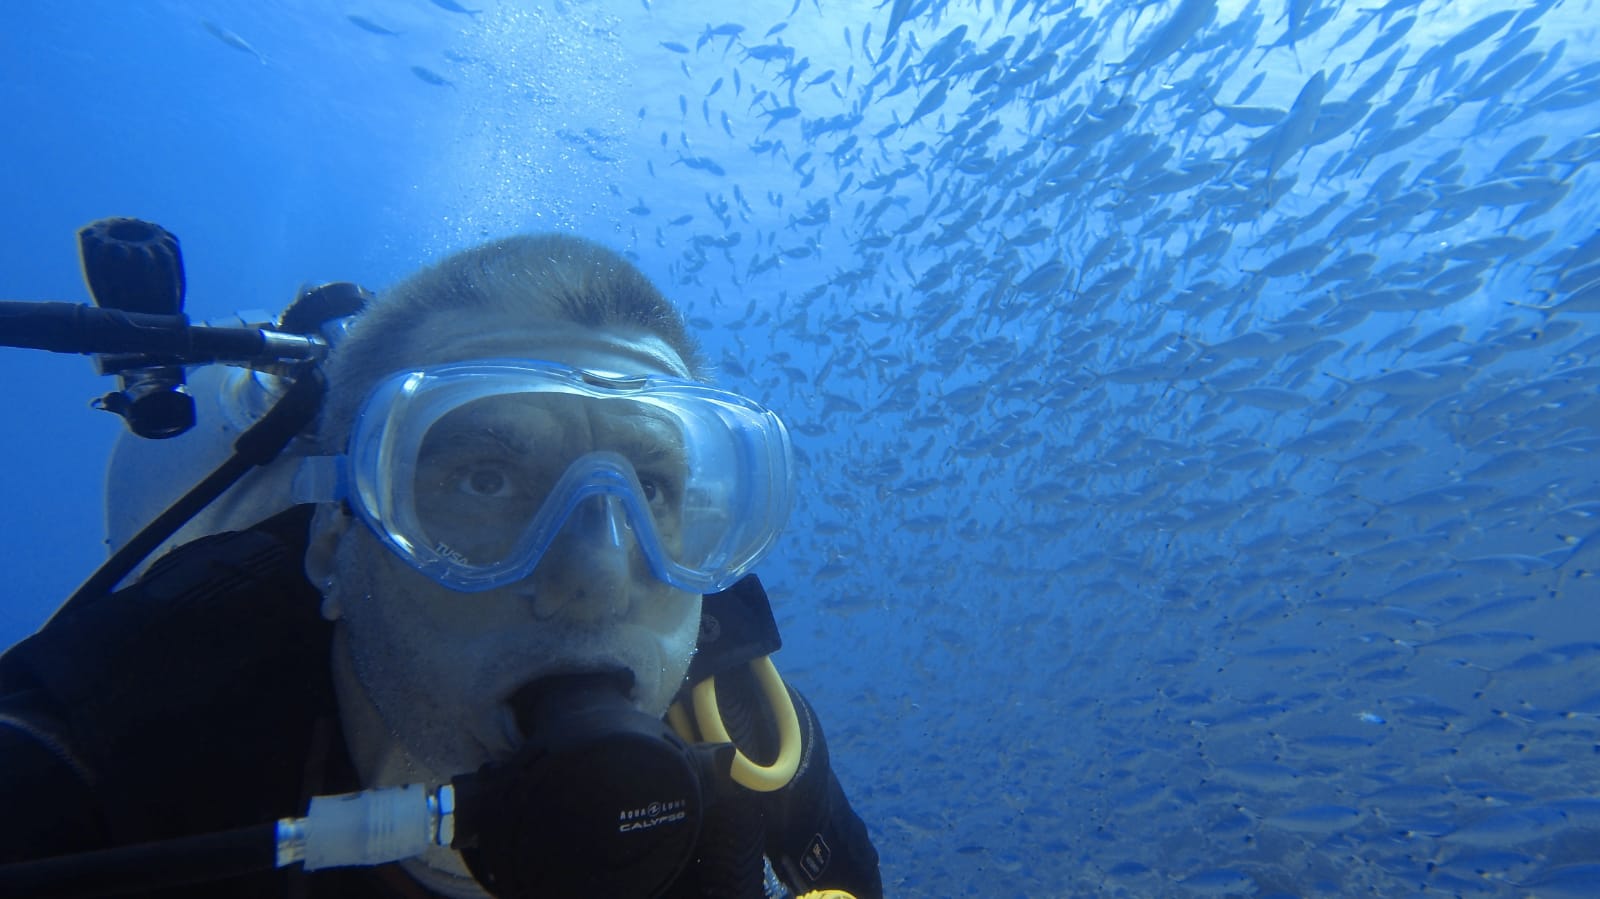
[
  {"x": 544, "y": 435},
  {"x": 560, "y": 408},
  {"x": 614, "y": 348}
]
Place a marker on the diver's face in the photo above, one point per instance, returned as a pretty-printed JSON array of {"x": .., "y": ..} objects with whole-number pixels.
[{"x": 437, "y": 664}]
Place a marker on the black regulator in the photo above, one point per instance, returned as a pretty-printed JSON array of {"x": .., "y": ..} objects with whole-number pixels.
[{"x": 602, "y": 800}]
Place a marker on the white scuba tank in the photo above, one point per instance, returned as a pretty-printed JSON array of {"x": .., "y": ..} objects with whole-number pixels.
[{"x": 144, "y": 477}]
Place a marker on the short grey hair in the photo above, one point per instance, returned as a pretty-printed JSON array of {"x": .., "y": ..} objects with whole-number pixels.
[{"x": 557, "y": 277}]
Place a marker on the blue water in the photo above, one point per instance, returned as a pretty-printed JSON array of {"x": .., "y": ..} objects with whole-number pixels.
[{"x": 1153, "y": 538}]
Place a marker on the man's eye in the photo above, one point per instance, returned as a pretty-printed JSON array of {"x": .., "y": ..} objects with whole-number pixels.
[
  {"x": 485, "y": 482},
  {"x": 659, "y": 491}
]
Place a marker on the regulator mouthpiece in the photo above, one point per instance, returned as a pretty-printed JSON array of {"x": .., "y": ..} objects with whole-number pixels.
[{"x": 602, "y": 800}]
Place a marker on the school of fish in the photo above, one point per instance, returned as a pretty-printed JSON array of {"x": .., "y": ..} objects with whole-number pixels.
[{"x": 1198, "y": 418}]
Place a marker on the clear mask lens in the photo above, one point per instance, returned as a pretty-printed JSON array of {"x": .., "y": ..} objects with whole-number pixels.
[{"x": 469, "y": 471}]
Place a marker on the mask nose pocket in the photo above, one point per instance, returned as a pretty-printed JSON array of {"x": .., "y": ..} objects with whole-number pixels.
[
  {"x": 590, "y": 563},
  {"x": 600, "y": 520}
]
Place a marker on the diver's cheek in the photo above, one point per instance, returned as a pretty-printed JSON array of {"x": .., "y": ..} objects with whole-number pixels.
[
  {"x": 666, "y": 610},
  {"x": 676, "y": 630}
]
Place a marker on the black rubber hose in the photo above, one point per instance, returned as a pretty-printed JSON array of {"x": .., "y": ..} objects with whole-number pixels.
[
  {"x": 144, "y": 867},
  {"x": 61, "y": 327}
]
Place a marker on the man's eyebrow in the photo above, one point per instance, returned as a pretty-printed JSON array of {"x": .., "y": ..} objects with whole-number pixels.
[
  {"x": 491, "y": 434},
  {"x": 509, "y": 438},
  {"x": 640, "y": 435},
  {"x": 639, "y": 447},
  {"x": 649, "y": 437}
]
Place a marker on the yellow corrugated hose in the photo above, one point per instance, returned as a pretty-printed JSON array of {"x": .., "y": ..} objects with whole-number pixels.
[{"x": 709, "y": 718}]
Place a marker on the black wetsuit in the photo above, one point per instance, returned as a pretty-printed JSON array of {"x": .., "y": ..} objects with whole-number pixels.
[{"x": 200, "y": 700}]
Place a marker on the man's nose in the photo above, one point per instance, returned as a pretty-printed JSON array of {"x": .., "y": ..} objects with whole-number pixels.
[{"x": 587, "y": 572}]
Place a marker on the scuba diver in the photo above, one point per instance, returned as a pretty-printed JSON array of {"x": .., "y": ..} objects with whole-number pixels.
[{"x": 466, "y": 610}]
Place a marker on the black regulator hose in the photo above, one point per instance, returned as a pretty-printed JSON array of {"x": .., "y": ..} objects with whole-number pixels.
[
  {"x": 62, "y": 327},
  {"x": 143, "y": 867}
]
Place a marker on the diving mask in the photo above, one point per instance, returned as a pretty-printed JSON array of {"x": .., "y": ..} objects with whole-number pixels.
[{"x": 468, "y": 471}]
